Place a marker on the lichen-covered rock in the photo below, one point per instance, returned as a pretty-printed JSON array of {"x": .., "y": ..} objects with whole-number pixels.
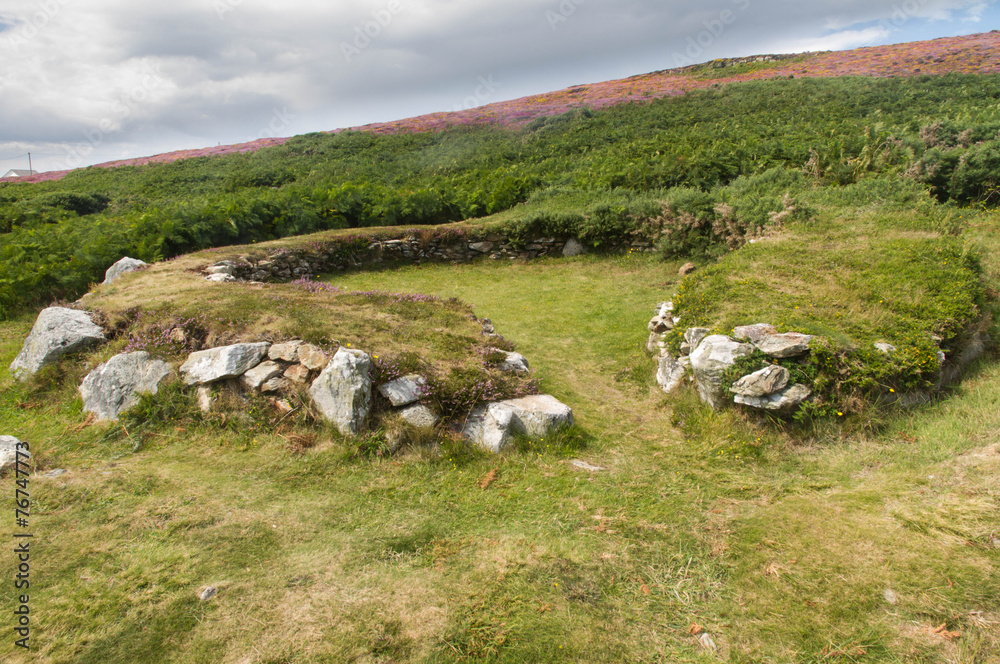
[
  {"x": 207, "y": 366},
  {"x": 260, "y": 374},
  {"x": 8, "y": 454},
  {"x": 312, "y": 357},
  {"x": 671, "y": 371},
  {"x": 694, "y": 335},
  {"x": 789, "y": 344},
  {"x": 115, "y": 386},
  {"x": 761, "y": 383},
  {"x": 57, "y": 332},
  {"x": 419, "y": 416},
  {"x": 494, "y": 425},
  {"x": 710, "y": 359},
  {"x": 123, "y": 266},
  {"x": 754, "y": 333},
  {"x": 343, "y": 391},
  {"x": 403, "y": 391},
  {"x": 297, "y": 374},
  {"x": 784, "y": 401}
]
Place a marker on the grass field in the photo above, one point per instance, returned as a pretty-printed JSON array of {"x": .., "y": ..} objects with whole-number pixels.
[{"x": 782, "y": 551}]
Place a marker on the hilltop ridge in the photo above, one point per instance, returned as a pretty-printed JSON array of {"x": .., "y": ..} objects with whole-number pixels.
[{"x": 978, "y": 53}]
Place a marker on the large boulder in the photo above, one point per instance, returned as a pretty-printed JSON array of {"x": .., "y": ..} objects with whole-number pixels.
[
  {"x": 494, "y": 425},
  {"x": 208, "y": 366},
  {"x": 343, "y": 391},
  {"x": 8, "y": 454},
  {"x": 115, "y": 386},
  {"x": 403, "y": 391},
  {"x": 124, "y": 266},
  {"x": 56, "y": 332},
  {"x": 710, "y": 359}
]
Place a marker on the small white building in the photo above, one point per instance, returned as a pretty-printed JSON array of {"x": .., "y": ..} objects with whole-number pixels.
[{"x": 19, "y": 173}]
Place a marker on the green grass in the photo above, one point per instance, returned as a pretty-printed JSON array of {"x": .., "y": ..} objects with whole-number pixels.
[{"x": 781, "y": 550}]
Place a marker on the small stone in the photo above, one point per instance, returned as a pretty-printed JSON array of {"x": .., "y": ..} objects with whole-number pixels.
[
  {"x": 890, "y": 596},
  {"x": 208, "y": 593},
  {"x": 660, "y": 325},
  {"x": 481, "y": 247},
  {"x": 885, "y": 348},
  {"x": 572, "y": 248},
  {"x": 695, "y": 335},
  {"x": 206, "y": 366},
  {"x": 123, "y": 266},
  {"x": 419, "y": 416},
  {"x": 277, "y": 384},
  {"x": 178, "y": 335},
  {"x": 789, "y": 344},
  {"x": 283, "y": 406},
  {"x": 260, "y": 374},
  {"x": 653, "y": 343},
  {"x": 220, "y": 278},
  {"x": 783, "y": 401},
  {"x": 312, "y": 357},
  {"x": 56, "y": 472},
  {"x": 583, "y": 465},
  {"x": 761, "y": 383},
  {"x": 687, "y": 269},
  {"x": 515, "y": 363},
  {"x": 706, "y": 642},
  {"x": 287, "y": 352},
  {"x": 205, "y": 398},
  {"x": 403, "y": 391},
  {"x": 9, "y": 456},
  {"x": 297, "y": 374},
  {"x": 670, "y": 372},
  {"x": 220, "y": 269},
  {"x": 685, "y": 348},
  {"x": 754, "y": 333}
]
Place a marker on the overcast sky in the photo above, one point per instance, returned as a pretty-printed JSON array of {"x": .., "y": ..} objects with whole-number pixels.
[{"x": 86, "y": 81}]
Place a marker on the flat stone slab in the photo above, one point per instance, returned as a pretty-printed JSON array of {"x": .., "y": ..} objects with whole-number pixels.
[
  {"x": 123, "y": 266},
  {"x": 343, "y": 391},
  {"x": 403, "y": 391},
  {"x": 261, "y": 373},
  {"x": 287, "y": 351},
  {"x": 754, "y": 333},
  {"x": 494, "y": 425},
  {"x": 115, "y": 386},
  {"x": 8, "y": 454},
  {"x": 761, "y": 383},
  {"x": 789, "y": 344},
  {"x": 57, "y": 331},
  {"x": 783, "y": 401},
  {"x": 208, "y": 366}
]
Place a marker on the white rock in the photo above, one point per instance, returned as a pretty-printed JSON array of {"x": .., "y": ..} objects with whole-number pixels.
[
  {"x": 419, "y": 416},
  {"x": 343, "y": 391},
  {"x": 205, "y": 398},
  {"x": 57, "y": 332},
  {"x": 670, "y": 372},
  {"x": 115, "y": 386},
  {"x": 493, "y": 426},
  {"x": 515, "y": 363},
  {"x": 220, "y": 278},
  {"x": 287, "y": 352},
  {"x": 761, "y": 383},
  {"x": 789, "y": 344},
  {"x": 206, "y": 366},
  {"x": 885, "y": 348},
  {"x": 694, "y": 335},
  {"x": 124, "y": 266},
  {"x": 312, "y": 357},
  {"x": 403, "y": 391},
  {"x": 260, "y": 374},
  {"x": 481, "y": 247},
  {"x": 572, "y": 248},
  {"x": 753, "y": 333},
  {"x": 785, "y": 400},
  {"x": 583, "y": 465},
  {"x": 8, "y": 454},
  {"x": 710, "y": 359}
]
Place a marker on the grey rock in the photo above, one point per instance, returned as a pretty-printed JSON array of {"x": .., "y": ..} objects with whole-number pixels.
[
  {"x": 57, "y": 332},
  {"x": 277, "y": 384},
  {"x": 709, "y": 360},
  {"x": 220, "y": 278},
  {"x": 419, "y": 416},
  {"x": 754, "y": 333},
  {"x": 312, "y": 357},
  {"x": 583, "y": 465},
  {"x": 685, "y": 348},
  {"x": 8, "y": 454},
  {"x": 123, "y": 266},
  {"x": 403, "y": 391},
  {"x": 115, "y": 386},
  {"x": 694, "y": 335},
  {"x": 297, "y": 374},
  {"x": 670, "y": 372},
  {"x": 783, "y": 401},
  {"x": 254, "y": 378},
  {"x": 55, "y": 472},
  {"x": 686, "y": 269},
  {"x": 222, "y": 267},
  {"x": 343, "y": 391},
  {"x": 287, "y": 351},
  {"x": 481, "y": 247},
  {"x": 761, "y": 383},
  {"x": 206, "y": 366},
  {"x": 515, "y": 363},
  {"x": 660, "y": 325},
  {"x": 205, "y": 398},
  {"x": 493, "y": 426},
  {"x": 207, "y": 593},
  {"x": 789, "y": 344},
  {"x": 885, "y": 348},
  {"x": 572, "y": 248}
]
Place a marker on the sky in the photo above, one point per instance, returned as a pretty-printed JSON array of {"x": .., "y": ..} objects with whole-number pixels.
[{"x": 87, "y": 81}]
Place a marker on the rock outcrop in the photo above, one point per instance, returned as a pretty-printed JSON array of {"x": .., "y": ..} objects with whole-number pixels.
[
  {"x": 494, "y": 425},
  {"x": 208, "y": 366},
  {"x": 115, "y": 386},
  {"x": 124, "y": 266},
  {"x": 57, "y": 332},
  {"x": 343, "y": 391}
]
